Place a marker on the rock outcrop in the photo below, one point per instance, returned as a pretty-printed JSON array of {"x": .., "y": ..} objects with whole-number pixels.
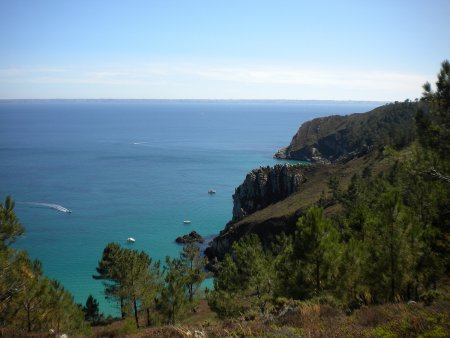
[
  {"x": 265, "y": 186},
  {"x": 262, "y": 187},
  {"x": 193, "y": 237}
]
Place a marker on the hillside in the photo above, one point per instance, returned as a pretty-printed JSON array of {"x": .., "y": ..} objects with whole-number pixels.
[
  {"x": 339, "y": 146},
  {"x": 333, "y": 138},
  {"x": 282, "y": 216}
]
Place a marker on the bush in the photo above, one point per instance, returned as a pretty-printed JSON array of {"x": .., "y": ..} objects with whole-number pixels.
[
  {"x": 428, "y": 297},
  {"x": 437, "y": 332},
  {"x": 128, "y": 327},
  {"x": 380, "y": 332}
]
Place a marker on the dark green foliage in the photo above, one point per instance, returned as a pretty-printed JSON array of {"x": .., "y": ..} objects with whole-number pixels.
[
  {"x": 317, "y": 248},
  {"x": 173, "y": 295},
  {"x": 387, "y": 244},
  {"x": 333, "y": 185},
  {"x": 182, "y": 279},
  {"x": 343, "y": 137},
  {"x": 194, "y": 264},
  {"x": 389, "y": 237},
  {"x": 106, "y": 270},
  {"x": 29, "y": 301},
  {"x": 91, "y": 310},
  {"x": 245, "y": 282},
  {"x": 392, "y": 124},
  {"x": 433, "y": 124},
  {"x": 433, "y": 128},
  {"x": 10, "y": 227},
  {"x": 129, "y": 278},
  {"x": 395, "y": 127}
]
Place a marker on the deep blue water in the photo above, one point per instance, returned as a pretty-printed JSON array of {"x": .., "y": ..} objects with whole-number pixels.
[{"x": 133, "y": 168}]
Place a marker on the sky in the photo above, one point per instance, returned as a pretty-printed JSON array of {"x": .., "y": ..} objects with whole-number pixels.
[{"x": 381, "y": 50}]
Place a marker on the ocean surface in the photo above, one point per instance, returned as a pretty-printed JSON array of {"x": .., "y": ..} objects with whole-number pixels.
[{"x": 133, "y": 169}]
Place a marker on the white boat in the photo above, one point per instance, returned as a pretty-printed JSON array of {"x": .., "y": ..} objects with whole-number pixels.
[
  {"x": 211, "y": 191},
  {"x": 187, "y": 222},
  {"x": 131, "y": 240}
]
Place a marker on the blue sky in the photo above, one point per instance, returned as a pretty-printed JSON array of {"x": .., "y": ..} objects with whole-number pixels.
[{"x": 339, "y": 50}]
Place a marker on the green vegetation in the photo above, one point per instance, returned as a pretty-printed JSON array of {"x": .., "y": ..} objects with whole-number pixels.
[
  {"x": 338, "y": 137},
  {"x": 369, "y": 256},
  {"x": 137, "y": 285},
  {"x": 29, "y": 301},
  {"x": 387, "y": 239},
  {"x": 91, "y": 311}
]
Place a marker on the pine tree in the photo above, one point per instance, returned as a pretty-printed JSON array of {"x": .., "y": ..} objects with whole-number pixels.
[
  {"x": 127, "y": 277},
  {"x": 317, "y": 246},
  {"x": 226, "y": 298},
  {"x": 10, "y": 227},
  {"x": 91, "y": 310},
  {"x": 173, "y": 293},
  {"x": 107, "y": 271},
  {"x": 194, "y": 263},
  {"x": 433, "y": 120},
  {"x": 248, "y": 279}
]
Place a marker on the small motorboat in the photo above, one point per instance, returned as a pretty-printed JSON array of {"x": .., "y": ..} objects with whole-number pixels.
[
  {"x": 211, "y": 191},
  {"x": 187, "y": 222},
  {"x": 131, "y": 240}
]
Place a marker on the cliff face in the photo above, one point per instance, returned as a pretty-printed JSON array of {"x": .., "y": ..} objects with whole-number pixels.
[
  {"x": 262, "y": 187},
  {"x": 335, "y": 138},
  {"x": 265, "y": 186}
]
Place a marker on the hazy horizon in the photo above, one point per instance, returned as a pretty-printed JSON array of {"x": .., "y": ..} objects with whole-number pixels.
[{"x": 197, "y": 100}]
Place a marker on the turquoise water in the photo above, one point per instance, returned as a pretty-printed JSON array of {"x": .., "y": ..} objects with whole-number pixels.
[{"x": 133, "y": 169}]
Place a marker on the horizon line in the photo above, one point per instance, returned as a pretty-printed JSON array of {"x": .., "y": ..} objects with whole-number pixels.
[{"x": 184, "y": 99}]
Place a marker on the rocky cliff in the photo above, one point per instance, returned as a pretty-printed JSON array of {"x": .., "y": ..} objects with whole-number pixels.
[
  {"x": 335, "y": 138},
  {"x": 262, "y": 187},
  {"x": 265, "y": 186}
]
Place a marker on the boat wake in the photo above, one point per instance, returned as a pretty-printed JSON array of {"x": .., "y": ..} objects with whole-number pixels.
[
  {"x": 138, "y": 143},
  {"x": 49, "y": 205}
]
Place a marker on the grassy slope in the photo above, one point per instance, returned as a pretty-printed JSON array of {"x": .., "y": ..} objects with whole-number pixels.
[{"x": 311, "y": 190}]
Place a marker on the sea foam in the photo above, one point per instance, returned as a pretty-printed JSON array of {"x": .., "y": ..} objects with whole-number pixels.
[{"x": 49, "y": 205}]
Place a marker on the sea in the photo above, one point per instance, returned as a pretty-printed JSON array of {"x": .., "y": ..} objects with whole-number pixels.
[{"x": 138, "y": 169}]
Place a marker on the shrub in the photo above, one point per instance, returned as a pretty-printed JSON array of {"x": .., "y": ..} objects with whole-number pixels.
[{"x": 428, "y": 297}]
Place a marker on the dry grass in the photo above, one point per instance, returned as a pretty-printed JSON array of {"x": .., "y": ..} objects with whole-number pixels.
[
  {"x": 320, "y": 321},
  {"x": 317, "y": 321},
  {"x": 301, "y": 320}
]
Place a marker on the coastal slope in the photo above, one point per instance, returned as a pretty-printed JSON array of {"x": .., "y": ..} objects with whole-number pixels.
[
  {"x": 336, "y": 146},
  {"x": 339, "y": 138}
]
